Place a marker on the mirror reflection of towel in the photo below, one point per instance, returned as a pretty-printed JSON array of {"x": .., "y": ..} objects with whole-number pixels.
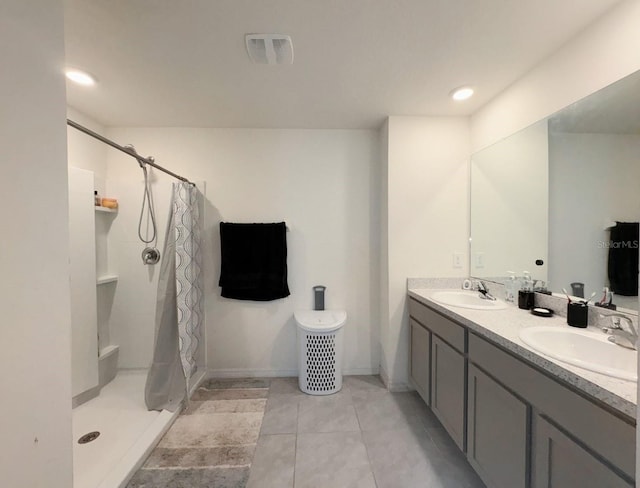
[
  {"x": 623, "y": 259},
  {"x": 254, "y": 261}
]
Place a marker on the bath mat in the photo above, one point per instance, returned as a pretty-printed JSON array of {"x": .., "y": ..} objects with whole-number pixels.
[{"x": 212, "y": 442}]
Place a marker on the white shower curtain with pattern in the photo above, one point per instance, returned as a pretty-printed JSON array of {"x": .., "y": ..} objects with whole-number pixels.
[
  {"x": 186, "y": 212},
  {"x": 180, "y": 308}
]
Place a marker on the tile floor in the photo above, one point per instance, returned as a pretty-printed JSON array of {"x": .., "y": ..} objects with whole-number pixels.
[{"x": 361, "y": 437}]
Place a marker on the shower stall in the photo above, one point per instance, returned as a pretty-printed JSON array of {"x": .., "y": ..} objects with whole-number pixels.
[{"x": 136, "y": 323}]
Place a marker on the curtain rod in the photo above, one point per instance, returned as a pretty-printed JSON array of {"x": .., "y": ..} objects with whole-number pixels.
[{"x": 130, "y": 151}]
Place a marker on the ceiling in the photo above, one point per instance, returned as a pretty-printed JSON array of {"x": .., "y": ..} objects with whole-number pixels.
[{"x": 163, "y": 63}]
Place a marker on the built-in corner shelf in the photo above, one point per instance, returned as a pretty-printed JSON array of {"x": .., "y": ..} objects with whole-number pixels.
[
  {"x": 103, "y": 280},
  {"x": 106, "y": 210}
]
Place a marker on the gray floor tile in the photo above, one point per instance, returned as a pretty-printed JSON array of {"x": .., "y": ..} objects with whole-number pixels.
[
  {"x": 273, "y": 462},
  {"x": 357, "y": 383},
  {"x": 189, "y": 457},
  {"x": 381, "y": 410},
  {"x": 332, "y": 460},
  {"x": 331, "y": 413},
  {"x": 426, "y": 415},
  {"x": 190, "y": 478},
  {"x": 410, "y": 458},
  {"x": 455, "y": 470},
  {"x": 285, "y": 385},
  {"x": 343, "y": 397},
  {"x": 281, "y": 415},
  {"x": 212, "y": 444},
  {"x": 443, "y": 440},
  {"x": 229, "y": 383},
  {"x": 215, "y": 430},
  {"x": 405, "y": 458}
]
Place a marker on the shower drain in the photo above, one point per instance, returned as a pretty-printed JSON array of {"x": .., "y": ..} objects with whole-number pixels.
[{"x": 91, "y": 436}]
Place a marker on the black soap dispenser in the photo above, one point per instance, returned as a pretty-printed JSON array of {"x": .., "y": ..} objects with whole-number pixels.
[{"x": 526, "y": 294}]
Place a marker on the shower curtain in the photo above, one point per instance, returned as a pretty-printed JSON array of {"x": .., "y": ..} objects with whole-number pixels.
[{"x": 179, "y": 308}]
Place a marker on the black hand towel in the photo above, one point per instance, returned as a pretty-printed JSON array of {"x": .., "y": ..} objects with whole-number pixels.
[
  {"x": 254, "y": 261},
  {"x": 623, "y": 259}
]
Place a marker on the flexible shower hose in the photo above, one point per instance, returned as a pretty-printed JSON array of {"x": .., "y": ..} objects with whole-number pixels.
[{"x": 148, "y": 202}]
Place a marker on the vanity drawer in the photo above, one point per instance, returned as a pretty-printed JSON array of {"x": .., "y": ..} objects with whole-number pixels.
[
  {"x": 447, "y": 330},
  {"x": 599, "y": 430}
]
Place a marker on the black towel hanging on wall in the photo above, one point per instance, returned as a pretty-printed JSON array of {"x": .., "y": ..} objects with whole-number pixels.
[
  {"x": 253, "y": 261},
  {"x": 623, "y": 259}
]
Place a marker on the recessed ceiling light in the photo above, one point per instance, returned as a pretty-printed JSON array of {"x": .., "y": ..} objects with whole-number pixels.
[
  {"x": 80, "y": 77},
  {"x": 462, "y": 93}
]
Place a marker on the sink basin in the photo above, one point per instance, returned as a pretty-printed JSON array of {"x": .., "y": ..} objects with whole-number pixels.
[
  {"x": 587, "y": 349},
  {"x": 467, "y": 299}
]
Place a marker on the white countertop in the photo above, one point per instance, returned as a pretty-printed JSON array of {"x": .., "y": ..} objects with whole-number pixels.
[{"x": 502, "y": 328}]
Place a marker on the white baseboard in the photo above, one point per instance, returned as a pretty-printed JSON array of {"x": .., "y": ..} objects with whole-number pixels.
[
  {"x": 362, "y": 372},
  {"x": 250, "y": 373},
  {"x": 273, "y": 373}
]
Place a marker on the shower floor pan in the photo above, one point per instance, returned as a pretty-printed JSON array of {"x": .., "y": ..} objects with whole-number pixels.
[{"x": 128, "y": 433}]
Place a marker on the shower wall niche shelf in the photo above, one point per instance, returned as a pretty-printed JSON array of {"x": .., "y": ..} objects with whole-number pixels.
[
  {"x": 106, "y": 210},
  {"x": 103, "y": 280}
]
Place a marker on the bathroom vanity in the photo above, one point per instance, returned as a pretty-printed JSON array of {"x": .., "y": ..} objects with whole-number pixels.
[{"x": 523, "y": 419}]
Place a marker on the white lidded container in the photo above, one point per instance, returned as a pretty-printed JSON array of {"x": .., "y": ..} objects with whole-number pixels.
[{"x": 320, "y": 349}]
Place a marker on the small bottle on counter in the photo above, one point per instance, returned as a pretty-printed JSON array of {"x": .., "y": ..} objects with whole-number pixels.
[{"x": 97, "y": 199}]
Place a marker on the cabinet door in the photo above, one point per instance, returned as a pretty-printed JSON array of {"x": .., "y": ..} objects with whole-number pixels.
[
  {"x": 420, "y": 359},
  {"x": 448, "y": 388},
  {"x": 497, "y": 433},
  {"x": 561, "y": 462}
]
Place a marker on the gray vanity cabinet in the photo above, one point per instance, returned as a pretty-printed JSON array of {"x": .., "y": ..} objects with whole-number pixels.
[
  {"x": 447, "y": 388},
  {"x": 520, "y": 426},
  {"x": 611, "y": 438},
  {"x": 421, "y": 360},
  {"x": 497, "y": 432},
  {"x": 559, "y": 461},
  {"x": 443, "y": 379}
]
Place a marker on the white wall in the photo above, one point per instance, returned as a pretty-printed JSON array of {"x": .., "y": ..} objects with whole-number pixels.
[
  {"x": 133, "y": 297},
  {"x": 606, "y": 191},
  {"x": 509, "y": 205},
  {"x": 35, "y": 423},
  {"x": 384, "y": 251},
  {"x": 428, "y": 200},
  {"x": 323, "y": 183},
  {"x": 85, "y": 152},
  {"x": 602, "y": 54}
]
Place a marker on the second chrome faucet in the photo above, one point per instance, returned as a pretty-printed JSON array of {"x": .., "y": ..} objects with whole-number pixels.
[{"x": 625, "y": 336}]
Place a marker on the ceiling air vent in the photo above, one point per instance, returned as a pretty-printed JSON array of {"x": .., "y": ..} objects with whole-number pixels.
[{"x": 269, "y": 48}]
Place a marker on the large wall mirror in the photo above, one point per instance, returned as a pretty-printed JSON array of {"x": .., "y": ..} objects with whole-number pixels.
[{"x": 547, "y": 199}]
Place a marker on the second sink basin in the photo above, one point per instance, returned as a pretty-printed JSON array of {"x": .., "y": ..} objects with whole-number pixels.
[
  {"x": 467, "y": 299},
  {"x": 583, "y": 348}
]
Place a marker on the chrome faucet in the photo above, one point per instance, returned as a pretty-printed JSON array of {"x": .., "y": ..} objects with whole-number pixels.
[
  {"x": 484, "y": 291},
  {"x": 625, "y": 337}
]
